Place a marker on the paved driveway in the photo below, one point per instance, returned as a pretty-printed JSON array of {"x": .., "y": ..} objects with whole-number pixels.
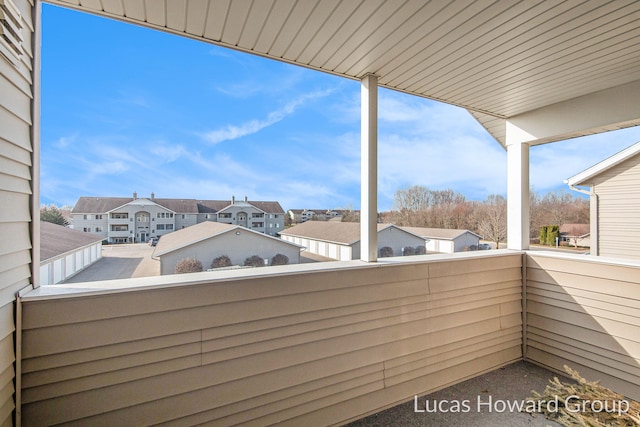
[{"x": 120, "y": 262}]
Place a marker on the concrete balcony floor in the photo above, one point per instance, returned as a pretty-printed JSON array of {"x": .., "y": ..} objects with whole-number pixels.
[{"x": 513, "y": 382}]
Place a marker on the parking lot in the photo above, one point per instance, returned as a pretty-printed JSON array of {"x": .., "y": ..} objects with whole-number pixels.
[{"x": 120, "y": 262}]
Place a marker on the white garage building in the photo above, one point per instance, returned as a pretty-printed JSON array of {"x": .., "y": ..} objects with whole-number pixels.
[
  {"x": 209, "y": 240},
  {"x": 65, "y": 252},
  {"x": 341, "y": 240},
  {"x": 445, "y": 240}
]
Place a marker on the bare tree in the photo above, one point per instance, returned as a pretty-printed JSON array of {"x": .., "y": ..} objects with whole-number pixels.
[{"x": 493, "y": 219}]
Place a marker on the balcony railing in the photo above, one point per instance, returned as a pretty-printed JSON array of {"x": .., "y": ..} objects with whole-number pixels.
[{"x": 318, "y": 344}]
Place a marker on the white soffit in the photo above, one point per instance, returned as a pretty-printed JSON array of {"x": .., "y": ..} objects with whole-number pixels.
[{"x": 499, "y": 59}]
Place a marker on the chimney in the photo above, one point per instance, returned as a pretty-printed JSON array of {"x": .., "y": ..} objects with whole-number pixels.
[
  {"x": 135, "y": 195},
  {"x": 233, "y": 200},
  {"x": 153, "y": 196}
]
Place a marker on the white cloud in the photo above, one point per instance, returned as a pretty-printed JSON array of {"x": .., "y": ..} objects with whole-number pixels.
[{"x": 231, "y": 132}]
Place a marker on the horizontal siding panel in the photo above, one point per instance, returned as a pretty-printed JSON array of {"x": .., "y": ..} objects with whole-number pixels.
[
  {"x": 456, "y": 267},
  {"x": 347, "y": 327},
  {"x": 111, "y": 352},
  {"x": 71, "y": 310},
  {"x": 125, "y": 363},
  {"x": 14, "y": 130},
  {"x": 586, "y": 370},
  {"x": 590, "y": 304},
  {"x": 460, "y": 281},
  {"x": 14, "y": 152},
  {"x": 586, "y": 267},
  {"x": 19, "y": 207},
  {"x": 362, "y": 404},
  {"x": 586, "y": 315},
  {"x": 431, "y": 360},
  {"x": 15, "y": 101},
  {"x": 15, "y": 184},
  {"x": 603, "y": 357},
  {"x": 598, "y": 287},
  {"x": 20, "y": 237},
  {"x": 330, "y": 342},
  {"x": 611, "y": 327},
  {"x": 597, "y": 340},
  {"x": 195, "y": 407},
  {"x": 9, "y": 75}
]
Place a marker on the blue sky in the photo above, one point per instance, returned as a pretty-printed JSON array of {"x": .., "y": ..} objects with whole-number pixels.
[{"x": 128, "y": 109}]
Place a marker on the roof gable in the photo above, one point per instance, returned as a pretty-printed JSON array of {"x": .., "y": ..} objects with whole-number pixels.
[
  {"x": 204, "y": 231},
  {"x": 587, "y": 175}
]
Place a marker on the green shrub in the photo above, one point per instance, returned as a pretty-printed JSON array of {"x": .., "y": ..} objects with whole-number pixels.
[
  {"x": 542, "y": 235},
  {"x": 553, "y": 231}
]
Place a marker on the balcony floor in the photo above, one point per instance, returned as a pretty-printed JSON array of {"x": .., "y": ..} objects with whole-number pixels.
[{"x": 511, "y": 383}]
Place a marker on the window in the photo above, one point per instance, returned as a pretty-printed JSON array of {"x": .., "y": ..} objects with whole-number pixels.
[
  {"x": 119, "y": 227},
  {"x": 170, "y": 215},
  {"x": 98, "y": 229},
  {"x": 183, "y": 216},
  {"x": 99, "y": 216},
  {"x": 169, "y": 226},
  {"x": 257, "y": 224},
  {"x": 87, "y": 229},
  {"x": 160, "y": 226},
  {"x": 258, "y": 215},
  {"x": 224, "y": 215},
  {"x": 143, "y": 218},
  {"x": 86, "y": 216},
  {"x": 120, "y": 215}
]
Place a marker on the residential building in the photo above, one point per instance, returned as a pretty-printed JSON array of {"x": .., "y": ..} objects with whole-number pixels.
[
  {"x": 65, "y": 252},
  {"x": 576, "y": 234},
  {"x": 209, "y": 240},
  {"x": 138, "y": 219},
  {"x": 301, "y": 215},
  {"x": 341, "y": 240},
  {"x": 613, "y": 186},
  {"x": 318, "y": 344},
  {"x": 446, "y": 240}
]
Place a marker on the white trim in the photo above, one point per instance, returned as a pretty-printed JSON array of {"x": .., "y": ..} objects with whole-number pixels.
[{"x": 608, "y": 163}]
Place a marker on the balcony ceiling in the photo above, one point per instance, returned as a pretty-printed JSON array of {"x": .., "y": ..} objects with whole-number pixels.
[{"x": 498, "y": 59}]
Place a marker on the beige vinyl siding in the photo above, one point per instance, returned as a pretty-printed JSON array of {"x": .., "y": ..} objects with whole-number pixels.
[
  {"x": 15, "y": 197},
  {"x": 618, "y": 191},
  {"x": 585, "y": 314},
  {"x": 317, "y": 347}
]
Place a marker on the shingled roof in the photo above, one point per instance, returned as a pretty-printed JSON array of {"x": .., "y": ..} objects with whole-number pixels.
[
  {"x": 98, "y": 205},
  {"x": 57, "y": 240},
  {"x": 438, "y": 233},
  {"x": 345, "y": 233}
]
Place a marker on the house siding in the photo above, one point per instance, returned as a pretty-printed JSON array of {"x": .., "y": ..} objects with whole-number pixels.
[
  {"x": 585, "y": 313},
  {"x": 319, "y": 347},
  {"x": 618, "y": 193},
  {"x": 237, "y": 247},
  {"x": 16, "y": 195}
]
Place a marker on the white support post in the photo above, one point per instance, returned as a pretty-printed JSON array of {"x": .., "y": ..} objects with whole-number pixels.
[
  {"x": 518, "y": 196},
  {"x": 369, "y": 170}
]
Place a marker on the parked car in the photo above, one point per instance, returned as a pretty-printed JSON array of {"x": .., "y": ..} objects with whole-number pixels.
[
  {"x": 153, "y": 241},
  {"x": 484, "y": 246}
]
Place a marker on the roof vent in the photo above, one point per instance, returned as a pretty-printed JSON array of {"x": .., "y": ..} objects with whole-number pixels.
[{"x": 10, "y": 31}]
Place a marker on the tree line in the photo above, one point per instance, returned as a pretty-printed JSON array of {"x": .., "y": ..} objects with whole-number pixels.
[{"x": 419, "y": 206}]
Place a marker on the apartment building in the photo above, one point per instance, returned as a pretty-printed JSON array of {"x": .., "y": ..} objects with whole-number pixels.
[{"x": 138, "y": 219}]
